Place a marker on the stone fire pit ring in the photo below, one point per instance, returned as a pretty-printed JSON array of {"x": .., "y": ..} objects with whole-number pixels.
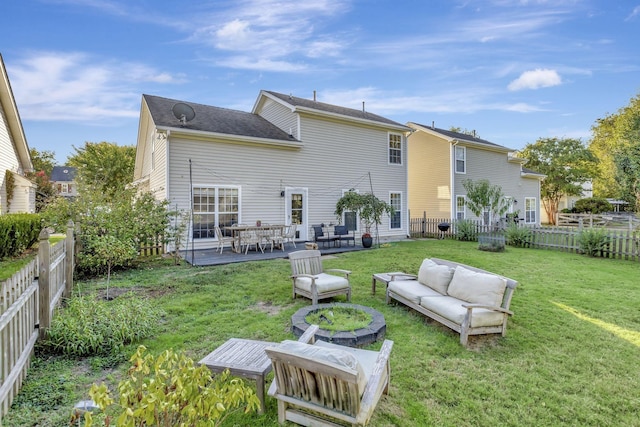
[{"x": 373, "y": 332}]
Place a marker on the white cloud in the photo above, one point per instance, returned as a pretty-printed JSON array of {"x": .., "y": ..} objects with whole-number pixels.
[
  {"x": 275, "y": 34},
  {"x": 635, "y": 12},
  {"x": 536, "y": 79},
  {"x": 78, "y": 87}
]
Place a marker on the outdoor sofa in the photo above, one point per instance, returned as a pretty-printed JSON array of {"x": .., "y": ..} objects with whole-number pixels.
[{"x": 466, "y": 299}]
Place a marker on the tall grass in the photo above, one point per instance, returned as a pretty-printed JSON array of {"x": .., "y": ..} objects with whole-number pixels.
[{"x": 570, "y": 356}]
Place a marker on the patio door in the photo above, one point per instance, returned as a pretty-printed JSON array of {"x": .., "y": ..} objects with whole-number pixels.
[{"x": 296, "y": 210}]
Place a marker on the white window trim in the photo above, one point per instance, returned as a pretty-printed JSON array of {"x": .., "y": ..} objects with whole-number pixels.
[
  {"x": 534, "y": 210},
  {"x": 455, "y": 159},
  {"x": 389, "y": 149},
  {"x": 217, "y": 211},
  {"x": 401, "y": 202},
  {"x": 464, "y": 210}
]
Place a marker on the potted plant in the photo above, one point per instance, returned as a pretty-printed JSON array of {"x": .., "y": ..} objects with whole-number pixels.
[{"x": 368, "y": 207}]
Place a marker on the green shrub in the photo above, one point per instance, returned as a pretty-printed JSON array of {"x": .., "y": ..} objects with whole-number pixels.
[
  {"x": 518, "y": 236},
  {"x": 171, "y": 390},
  {"x": 466, "y": 230},
  {"x": 594, "y": 205},
  {"x": 18, "y": 232},
  {"x": 87, "y": 326},
  {"x": 592, "y": 241}
]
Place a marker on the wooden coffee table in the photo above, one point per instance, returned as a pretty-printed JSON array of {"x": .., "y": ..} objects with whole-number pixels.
[
  {"x": 243, "y": 358},
  {"x": 385, "y": 278}
]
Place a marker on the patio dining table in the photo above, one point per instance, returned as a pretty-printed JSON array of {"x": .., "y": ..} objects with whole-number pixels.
[{"x": 238, "y": 230}]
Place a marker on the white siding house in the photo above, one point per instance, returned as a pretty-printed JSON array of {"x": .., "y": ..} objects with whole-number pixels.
[
  {"x": 287, "y": 161},
  {"x": 440, "y": 161},
  {"x": 15, "y": 159}
]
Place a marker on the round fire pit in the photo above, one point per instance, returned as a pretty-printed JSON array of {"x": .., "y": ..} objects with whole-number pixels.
[{"x": 373, "y": 332}]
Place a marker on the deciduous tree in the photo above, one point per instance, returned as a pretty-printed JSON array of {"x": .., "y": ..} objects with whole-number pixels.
[
  {"x": 482, "y": 196},
  {"x": 616, "y": 142},
  {"x": 43, "y": 162},
  {"x": 567, "y": 164},
  {"x": 104, "y": 166}
]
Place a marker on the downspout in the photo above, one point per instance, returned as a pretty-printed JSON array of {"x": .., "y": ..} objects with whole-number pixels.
[{"x": 452, "y": 164}]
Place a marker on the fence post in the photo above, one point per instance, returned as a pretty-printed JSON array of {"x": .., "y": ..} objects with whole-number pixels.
[
  {"x": 44, "y": 264},
  {"x": 69, "y": 260},
  {"x": 424, "y": 224}
]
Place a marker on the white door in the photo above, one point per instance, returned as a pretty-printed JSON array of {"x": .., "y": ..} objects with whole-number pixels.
[{"x": 296, "y": 210}]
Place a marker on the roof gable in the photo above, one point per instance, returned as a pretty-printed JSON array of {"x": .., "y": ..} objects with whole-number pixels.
[
  {"x": 452, "y": 136},
  {"x": 214, "y": 120},
  {"x": 8, "y": 105},
  {"x": 301, "y": 104}
]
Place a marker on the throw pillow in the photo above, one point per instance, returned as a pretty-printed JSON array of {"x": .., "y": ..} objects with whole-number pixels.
[
  {"x": 435, "y": 276},
  {"x": 476, "y": 287}
]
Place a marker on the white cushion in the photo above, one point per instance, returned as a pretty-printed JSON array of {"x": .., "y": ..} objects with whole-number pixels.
[
  {"x": 435, "y": 276},
  {"x": 411, "y": 290},
  {"x": 451, "y": 308},
  {"x": 336, "y": 355},
  {"x": 324, "y": 283},
  {"x": 475, "y": 287}
]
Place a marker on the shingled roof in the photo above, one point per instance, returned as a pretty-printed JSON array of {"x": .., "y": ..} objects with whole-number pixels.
[
  {"x": 214, "y": 120},
  {"x": 463, "y": 137},
  {"x": 294, "y": 101},
  {"x": 63, "y": 173}
]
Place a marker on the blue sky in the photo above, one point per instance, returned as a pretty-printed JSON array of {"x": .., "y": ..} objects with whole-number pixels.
[{"x": 513, "y": 70}]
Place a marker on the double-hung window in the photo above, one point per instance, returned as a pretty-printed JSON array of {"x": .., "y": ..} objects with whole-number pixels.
[
  {"x": 214, "y": 206},
  {"x": 395, "y": 200},
  {"x": 530, "y": 210},
  {"x": 395, "y": 149},
  {"x": 461, "y": 159},
  {"x": 460, "y": 207}
]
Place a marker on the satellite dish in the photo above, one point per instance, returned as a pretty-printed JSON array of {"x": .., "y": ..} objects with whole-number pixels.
[{"x": 183, "y": 112}]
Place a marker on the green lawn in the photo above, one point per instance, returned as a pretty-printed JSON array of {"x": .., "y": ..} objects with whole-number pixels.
[{"x": 570, "y": 356}]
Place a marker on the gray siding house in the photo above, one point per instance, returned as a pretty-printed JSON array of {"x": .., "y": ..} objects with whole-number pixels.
[{"x": 287, "y": 161}]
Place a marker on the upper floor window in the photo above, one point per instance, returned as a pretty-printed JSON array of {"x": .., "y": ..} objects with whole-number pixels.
[
  {"x": 395, "y": 148},
  {"x": 65, "y": 188},
  {"x": 461, "y": 159},
  {"x": 395, "y": 200},
  {"x": 530, "y": 210}
]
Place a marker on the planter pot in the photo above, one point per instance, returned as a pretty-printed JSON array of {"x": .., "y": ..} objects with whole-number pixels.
[{"x": 367, "y": 242}]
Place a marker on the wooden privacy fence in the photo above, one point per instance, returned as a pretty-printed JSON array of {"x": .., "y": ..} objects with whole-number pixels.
[{"x": 27, "y": 303}]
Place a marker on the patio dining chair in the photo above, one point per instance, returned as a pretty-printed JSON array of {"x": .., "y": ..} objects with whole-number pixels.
[
  {"x": 289, "y": 235},
  {"x": 222, "y": 239}
]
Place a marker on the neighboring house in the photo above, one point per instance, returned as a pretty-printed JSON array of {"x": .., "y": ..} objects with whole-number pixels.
[
  {"x": 288, "y": 161},
  {"x": 15, "y": 159},
  {"x": 63, "y": 180},
  {"x": 439, "y": 162}
]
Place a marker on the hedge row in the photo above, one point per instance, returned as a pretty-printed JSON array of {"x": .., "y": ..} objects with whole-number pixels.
[{"x": 18, "y": 232}]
